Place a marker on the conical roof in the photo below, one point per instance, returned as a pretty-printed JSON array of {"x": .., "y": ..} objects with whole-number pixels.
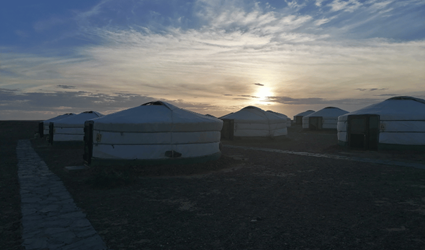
[
  {"x": 396, "y": 108},
  {"x": 328, "y": 112},
  {"x": 78, "y": 119},
  {"x": 278, "y": 114},
  {"x": 157, "y": 116},
  {"x": 59, "y": 117},
  {"x": 305, "y": 113},
  {"x": 253, "y": 114}
]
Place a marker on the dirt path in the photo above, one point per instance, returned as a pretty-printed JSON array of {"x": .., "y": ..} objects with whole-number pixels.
[{"x": 10, "y": 210}]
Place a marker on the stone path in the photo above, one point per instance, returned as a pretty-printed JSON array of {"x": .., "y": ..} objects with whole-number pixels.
[
  {"x": 338, "y": 157},
  {"x": 50, "y": 219}
]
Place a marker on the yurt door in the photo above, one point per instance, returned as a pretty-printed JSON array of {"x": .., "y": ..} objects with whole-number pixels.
[
  {"x": 298, "y": 120},
  {"x": 51, "y": 132},
  {"x": 373, "y": 136},
  {"x": 363, "y": 131},
  {"x": 227, "y": 131},
  {"x": 88, "y": 142},
  {"x": 41, "y": 129},
  {"x": 315, "y": 123}
]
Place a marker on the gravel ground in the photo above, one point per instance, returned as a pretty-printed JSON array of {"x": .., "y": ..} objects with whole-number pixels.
[
  {"x": 326, "y": 141},
  {"x": 251, "y": 199}
]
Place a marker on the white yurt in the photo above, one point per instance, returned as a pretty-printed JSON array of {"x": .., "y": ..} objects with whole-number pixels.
[
  {"x": 70, "y": 129},
  {"x": 396, "y": 123},
  {"x": 253, "y": 122},
  {"x": 298, "y": 119},
  {"x": 288, "y": 120},
  {"x": 43, "y": 127},
  {"x": 155, "y": 132},
  {"x": 326, "y": 118}
]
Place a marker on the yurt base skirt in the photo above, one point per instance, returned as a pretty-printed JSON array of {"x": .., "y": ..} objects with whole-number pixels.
[
  {"x": 67, "y": 143},
  {"x": 125, "y": 162},
  {"x": 322, "y": 129},
  {"x": 385, "y": 146},
  {"x": 261, "y": 138}
]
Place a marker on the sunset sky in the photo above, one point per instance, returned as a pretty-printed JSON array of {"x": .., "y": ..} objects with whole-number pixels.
[{"x": 208, "y": 56}]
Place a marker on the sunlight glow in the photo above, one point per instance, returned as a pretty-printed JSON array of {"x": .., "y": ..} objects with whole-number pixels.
[{"x": 263, "y": 95}]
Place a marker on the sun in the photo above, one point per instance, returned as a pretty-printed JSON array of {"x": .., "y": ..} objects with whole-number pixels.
[{"x": 263, "y": 94}]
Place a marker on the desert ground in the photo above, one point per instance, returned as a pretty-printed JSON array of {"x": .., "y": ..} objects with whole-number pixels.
[{"x": 249, "y": 199}]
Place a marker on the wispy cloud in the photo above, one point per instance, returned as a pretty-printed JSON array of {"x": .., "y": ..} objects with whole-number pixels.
[
  {"x": 379, "y": 5},
  {"x": 348, "y": 6},
  {"x": 318, "y": 3},
  {"x": 192, "y": 65},
  {"x": 66, "y": 101},
  {"x": 83, "y": 16},
  {"x": 66, "y": 86},
  {"x": 44, "y": 25},
  {"x": 230, "y": 16},
  {"x": 296, "y": 5},
  {"x": 371, "y": 89},
  {"x": 322, "y": 21},
  {"x": 5, "y": 90},
  {"x": 388, "y": 95}
]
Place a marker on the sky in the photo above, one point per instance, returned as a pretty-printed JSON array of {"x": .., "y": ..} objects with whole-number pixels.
[{"x": 211, "y": 57}]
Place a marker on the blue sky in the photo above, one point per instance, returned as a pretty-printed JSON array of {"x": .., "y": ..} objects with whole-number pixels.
[{"x": 208, "y": 56}]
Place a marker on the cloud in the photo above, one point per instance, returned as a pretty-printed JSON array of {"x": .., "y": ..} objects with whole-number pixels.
[
  {"x": 58, "y": 102},
  {"x": 371, "y": 89},
  {"x": 77, "y": 100},
  {"x": 233, "y": 15},
  {"x": 322, "y": 21},
  {"x": 377, "y": 6},
  {"x": 83, "y": 16},
  {"x": 8, "y": 90},
  {"x": 290, "y": 100},
  {"x": 320, "y": 101},
  {"x": 44, "y": 25},
  {"x": 66, "y": 86},
  {"x": 258, "y": 84},
  {"x": 388, "y": 95},
  {"x": 318, "y": 3},
  {"x": 21, "y": 33},
  {"x": 294, "y": 4},
  {"x": 190, "y": 65},
  {"x": 348, "y": 6},
  {"x": 375, "y": 89}
]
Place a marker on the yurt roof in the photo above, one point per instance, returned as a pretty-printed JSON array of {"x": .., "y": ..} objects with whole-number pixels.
[
  {"x": 328, "y": 112},
  {"x": 80, "y": 118},
  {"x": 407, "y": 98},
  {"x": 400, "y": 108},
  {"x": 157, "y": 116},
  {"x": 251, "y": 113},
  {"x": 278, "y": 114},
  {"x": 305, "y": 113},
  {"x": 63, "y": 116},
  {"x": 224, "y": 116}
]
